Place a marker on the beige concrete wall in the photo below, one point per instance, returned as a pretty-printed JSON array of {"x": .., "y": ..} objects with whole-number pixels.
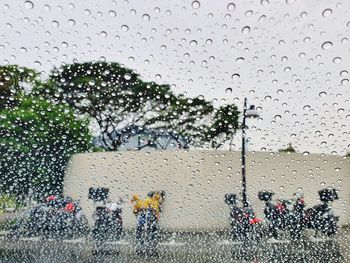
[{"x": 196, "y": 181}]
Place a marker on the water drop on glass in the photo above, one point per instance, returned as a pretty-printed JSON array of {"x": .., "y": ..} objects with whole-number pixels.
[
  {"x": 112, "y": 13},
  {"x": 245, "y": 30},
  {"x": 125, "y": 28},
  {"x": 326, "y": 45},
  {"x": 231, "y": 7},
  {"x": 327, "y": 12},
  {"x": 193, "y": 43},
  {"x": 196, "y": 4},
  {"x": 146, "y": 17},
  {"x": 264, "y": 2},
  {"x": 235, "y": 76},
  {"x": 29, "y": 4}
]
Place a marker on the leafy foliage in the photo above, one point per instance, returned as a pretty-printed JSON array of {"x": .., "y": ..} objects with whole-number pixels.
[
  {"x": 11, "y": 79},
  {"x": 37, "y": 138},
  {"x": 121, "y": 104},
  {"x": 224, "y": 125}
]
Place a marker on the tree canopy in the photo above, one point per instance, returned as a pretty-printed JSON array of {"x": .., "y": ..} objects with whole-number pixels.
[
  {"x": 44, "y": 122},
  {"x": 12, "y": 78},
  {"x": 121, "y": 104},
  {"x": 37, "y": 138}
]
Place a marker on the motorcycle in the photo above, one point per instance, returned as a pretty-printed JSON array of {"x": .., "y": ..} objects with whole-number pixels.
[
  {"x": 245, "y": 226},
  {"x": 65, "y": 220},
  {"x": 283, "y": 215},
  {"x": 54, "y": 219},
  {"x": 108, "y": 224},
  {"x": 321, "y": 217}
]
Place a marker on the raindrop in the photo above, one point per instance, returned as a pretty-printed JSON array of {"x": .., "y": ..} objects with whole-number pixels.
[
  {"x": 303, "y": 14},
  {"x": 71, "y": 22},
  {"x": 29, "y": 4},
  {"x": 277, "y": 117},
  {"x": 127, "y": 76},
  {"x": 55, "y": 23},
  {"x": 146, "y": 17},
  {"x": 133, "y": 12},
  {"x": 193, "y": 43},
  {"x": 337, "y": 59},
  {"x": 231, "y": 7},
  {"x": 240, "y": 60},
  {"x": 125, "y": 28},
  {"x": 196, "y": 4},
  {"x": 305, "y": 153},
  {"x": 112, "y": 13},
  {"x": 209, "y": 41},
  {"x": 235, "y": 76},
  {"x": 344, "y": 81},
  {"x": 289, "y": 2},
  {"x": 322, "y": 94},
  {"x": 103, "y": 34},
  {"x": 343, "y": 73},
  {"x": 245, "y": 30},
  {"x": 228, "y": 90},
  {"x": 327, "y": 45},
  {"x": 262, "y": 18},
  {"x": 327, "y": 12},
  {"x": 249, "y": 13},
  {"x": 264, "y": 2},
  {"x": 341, "y": 110}
]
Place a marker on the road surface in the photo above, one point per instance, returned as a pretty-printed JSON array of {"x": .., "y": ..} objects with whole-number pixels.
[{"x": 209, "y": 247}]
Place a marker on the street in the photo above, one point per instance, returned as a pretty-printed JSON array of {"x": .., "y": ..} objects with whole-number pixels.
[{"x": 208, "y": 247}]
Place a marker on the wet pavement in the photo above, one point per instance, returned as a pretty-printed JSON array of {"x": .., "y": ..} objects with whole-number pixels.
[{"x": 195, "y": 247}]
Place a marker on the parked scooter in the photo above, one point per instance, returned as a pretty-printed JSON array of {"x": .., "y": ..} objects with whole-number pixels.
[
  {"x": 245, "y": 226},
  {"x": 56, "y": 218},
  {"x": 283, "y": 215},
  {"x": 321, "y": 217},
  {"x": 108, "y": 224},
  {"x": 65, "y": 220}
]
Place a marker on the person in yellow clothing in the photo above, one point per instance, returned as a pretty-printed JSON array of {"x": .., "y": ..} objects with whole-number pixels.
[
  {"x": 154, "y": 202},
  {"x": 139, "y": 205},
  {"x": 140, "y": 208}
]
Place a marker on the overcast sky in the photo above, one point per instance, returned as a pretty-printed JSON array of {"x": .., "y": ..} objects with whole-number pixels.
[{"x": 289, "y": 57}]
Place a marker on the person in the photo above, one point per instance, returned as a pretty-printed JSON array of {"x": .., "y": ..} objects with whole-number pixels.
[
  {"x": 152, "y": 218},
  {"x": 116, "y": 219},
  {"x": 139, "y": 209}
]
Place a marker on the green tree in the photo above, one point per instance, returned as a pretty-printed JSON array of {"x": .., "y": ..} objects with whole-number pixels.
[
  {"x": 36, "y": 140},
  {"x": 121, "y": 104},
  {"x": 184, "y": 119},
  {"x": 224, "y": 125},
  {"x": 112, "y": 95},
  {"x": 12, "y": 81}
]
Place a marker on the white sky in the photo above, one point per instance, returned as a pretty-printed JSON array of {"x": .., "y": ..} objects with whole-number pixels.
[{"x": 301, "y": 89}]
